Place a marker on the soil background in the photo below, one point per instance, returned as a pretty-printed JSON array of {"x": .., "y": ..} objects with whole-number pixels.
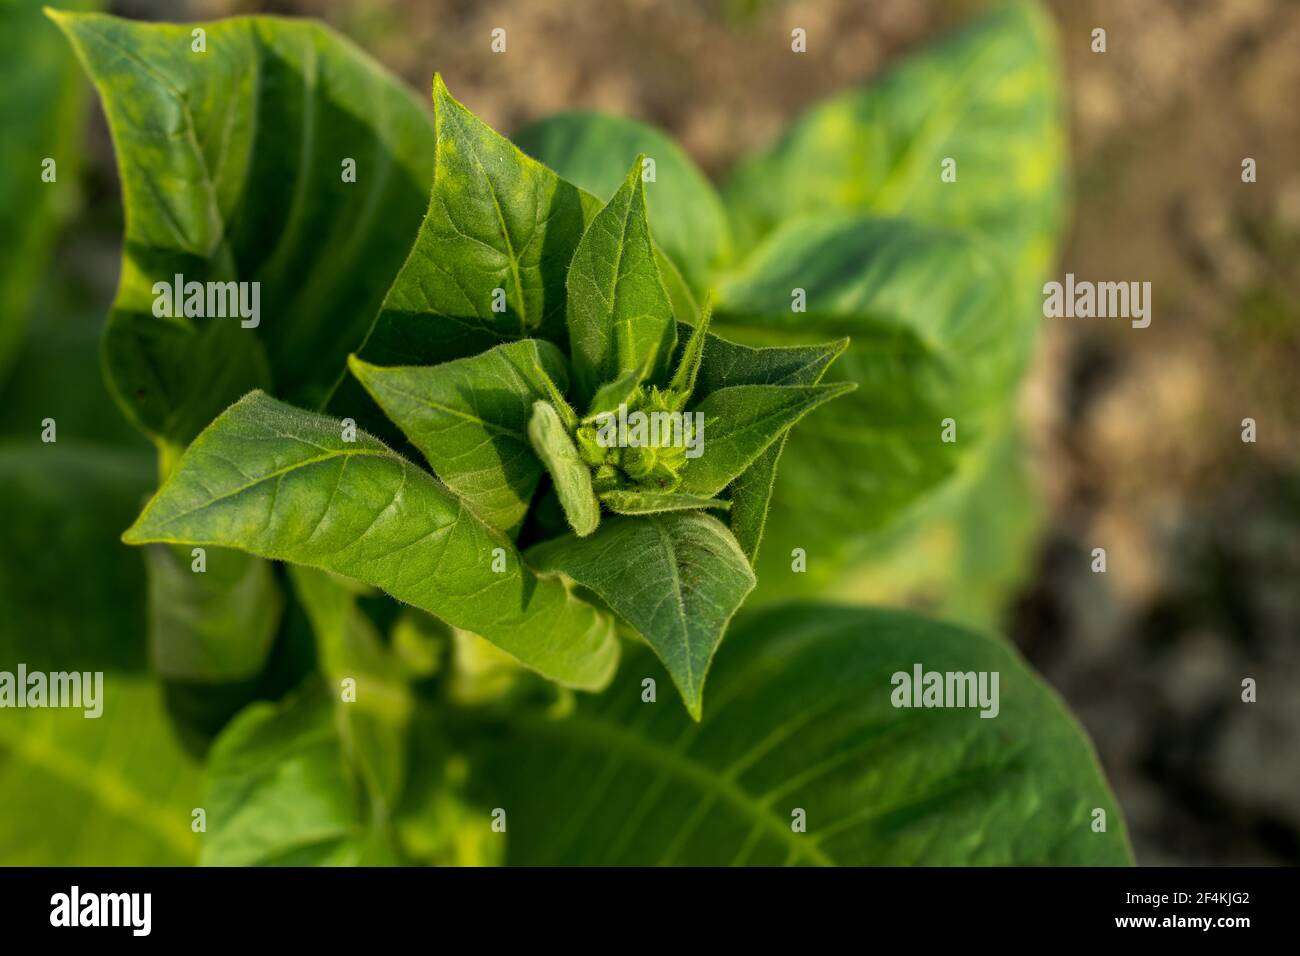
[{"x": 1135, "y": 438}]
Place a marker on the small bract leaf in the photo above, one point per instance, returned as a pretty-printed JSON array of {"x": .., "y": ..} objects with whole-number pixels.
[{"x": 570, "y": 474}]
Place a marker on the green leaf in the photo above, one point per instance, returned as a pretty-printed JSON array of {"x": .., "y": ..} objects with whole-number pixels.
[
  {"x": 373, "y": 723},
  {"x": 212, "y": 626},
  {"x": 728, "y": 363},
  {"x": 569, "y": 473},
  {"x": 279, "y": 792},
  {"x": 469, "y": 417},
  {"x": 619, "y": 316},
  {"x": 654, "y": 502},
  {"x": 801, "y": 719},
  {"x": 116, "y": 790},
  {"x": 688, "y": 365},
  {"x": 590, "y": 148},
  {"x": 41, "y": 106},
  {"x": 935, "y": 336},
  {"x": 496, "y": 220},
  {"x": 964, "y": 556},
  {"x": 232, "y": 170},
  {"x": 677, "y": 578},
  {"x": 282, "y": 483},
  {"x": 618, "y": 392},
  {"x": 741, "y": 422},
  {"x": 988, "y": 98}
]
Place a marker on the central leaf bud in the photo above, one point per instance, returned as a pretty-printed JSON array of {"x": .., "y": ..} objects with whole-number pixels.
[{"x": 640, "y": 444}]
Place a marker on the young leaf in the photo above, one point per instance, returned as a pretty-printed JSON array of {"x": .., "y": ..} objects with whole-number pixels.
[
  {"x": 686, "y": 214},
  {"x": 570, "y": 474},
  {"x": 688, "y": 366},
  {"x": 801, "y": 719},
  {"x": 496, "y": 220},
  {"x": 231, "y": 171},
  {"x": 988, "y": 98},
  {"x": 282, "y": 483},
  {"x": 741, "y": 422},
  {"x": 934, "y": 336},
  {"x": 654, "y": 502},
  {"x": 469, "y": 417},
  {"x": 619, "y": 315},
  {"x": 727, "y": 363},
  {"x": 618, "y": 392},
  {"x": 677, "y": 578}
]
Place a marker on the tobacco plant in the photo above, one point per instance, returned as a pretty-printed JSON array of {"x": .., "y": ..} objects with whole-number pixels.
[{"x": 413, "y": 595}]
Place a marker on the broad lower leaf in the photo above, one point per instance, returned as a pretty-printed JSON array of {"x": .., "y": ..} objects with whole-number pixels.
[
  {"x": 653, "y": 502},
  {"x": 803, "y": 759},
  {"x": 279, "y": 792},
  {"x": 988, "y": 99},
  {"x": 677, "y": 578},
  {"x": 282, "y": 483},
  {"x": 741, "y": 422},
  {"x": 469, "y": 417},
  {"x": 489, "y": 262},
  {"x": 114, "y": 790},
  {"x": 281, "y": 156},
  {"x": 619, "y": 317},
  {"x": 727, "y": 363},
  {"x": 590, "y": 149},
  {"x": 935, "y": 340},
  {"x": 569, "y": 473},
  {"x": 41, "y": 105}
]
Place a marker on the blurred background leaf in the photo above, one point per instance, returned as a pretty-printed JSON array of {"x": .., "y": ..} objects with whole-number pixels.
[
  {"x": 591, "y": 150},
  {"x": 41, "y": 103}
]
